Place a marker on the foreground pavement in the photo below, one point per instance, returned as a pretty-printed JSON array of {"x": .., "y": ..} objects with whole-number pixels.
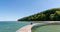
[{"x": 26, "y": 28}]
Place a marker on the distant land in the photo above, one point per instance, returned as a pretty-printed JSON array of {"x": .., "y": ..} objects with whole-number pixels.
[{"x": 47, "y": 15}]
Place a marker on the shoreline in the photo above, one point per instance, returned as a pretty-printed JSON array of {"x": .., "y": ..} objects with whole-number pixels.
[{"x": 26, "y": 28}]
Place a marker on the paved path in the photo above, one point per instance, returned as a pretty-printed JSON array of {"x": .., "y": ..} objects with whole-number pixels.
[{"x": 26, "y": 28}]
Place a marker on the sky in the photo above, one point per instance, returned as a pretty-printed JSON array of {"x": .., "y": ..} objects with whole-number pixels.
[{"x": 11, "y": 10}]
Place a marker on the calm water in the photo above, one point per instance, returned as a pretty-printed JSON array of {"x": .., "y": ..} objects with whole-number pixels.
[
  {"x": 48, "y": 28},
  {"x": 11, "y": 26}
]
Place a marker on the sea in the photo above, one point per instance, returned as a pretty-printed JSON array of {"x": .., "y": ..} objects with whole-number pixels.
[{"x": 12, "y": 26}]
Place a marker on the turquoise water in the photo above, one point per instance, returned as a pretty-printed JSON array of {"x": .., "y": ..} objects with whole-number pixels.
[
  {"x": 11, "y": 26},
  {"x": 48, "y": 28}
]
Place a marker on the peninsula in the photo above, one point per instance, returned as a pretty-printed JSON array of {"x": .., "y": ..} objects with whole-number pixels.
[{"x": 47, "y": 15}]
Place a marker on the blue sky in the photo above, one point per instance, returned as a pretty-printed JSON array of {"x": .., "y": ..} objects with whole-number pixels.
[{"x": 11, "y": 10}]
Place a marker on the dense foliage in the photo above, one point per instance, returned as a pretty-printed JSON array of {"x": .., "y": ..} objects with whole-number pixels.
[{"x": 48, "y": 15}]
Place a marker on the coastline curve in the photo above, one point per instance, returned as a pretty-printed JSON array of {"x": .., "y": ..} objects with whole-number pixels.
[{"x": 28, "y": 28}]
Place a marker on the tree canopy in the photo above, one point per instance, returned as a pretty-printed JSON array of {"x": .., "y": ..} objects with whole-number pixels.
[{"x": 47, "y": 15}]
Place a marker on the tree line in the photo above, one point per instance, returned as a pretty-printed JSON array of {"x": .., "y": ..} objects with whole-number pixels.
[{"x": 47, "y": 15}]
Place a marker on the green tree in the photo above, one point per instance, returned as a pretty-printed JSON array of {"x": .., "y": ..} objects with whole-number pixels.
[{"x": 52, "y": 16}]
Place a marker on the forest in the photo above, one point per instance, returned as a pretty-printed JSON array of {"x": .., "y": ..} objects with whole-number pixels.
[{"x": 47, "y": 15}]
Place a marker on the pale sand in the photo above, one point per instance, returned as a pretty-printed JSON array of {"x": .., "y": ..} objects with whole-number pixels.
[{"x": 26, "y": 28}]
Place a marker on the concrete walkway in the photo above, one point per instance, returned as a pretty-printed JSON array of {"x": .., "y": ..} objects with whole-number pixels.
[{"x": 26, "y": 28}]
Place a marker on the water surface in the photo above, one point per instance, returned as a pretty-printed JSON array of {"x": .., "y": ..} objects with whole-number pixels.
[
  {"x": 11, "y": 26},
  {"x": 48, "y": 28}
]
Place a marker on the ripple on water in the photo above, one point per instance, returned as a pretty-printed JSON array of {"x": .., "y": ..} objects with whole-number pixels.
[{"x": 11, "y": 26}]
